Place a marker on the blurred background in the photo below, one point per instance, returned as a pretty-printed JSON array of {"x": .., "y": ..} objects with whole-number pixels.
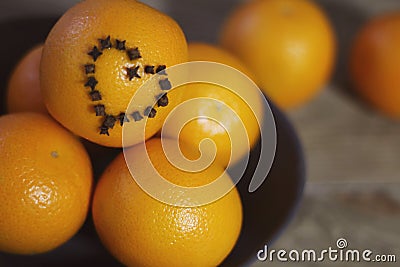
[{"x": 352, "y": 153}]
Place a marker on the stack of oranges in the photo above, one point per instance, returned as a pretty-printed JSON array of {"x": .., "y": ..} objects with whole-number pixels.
[{"x": 80, "y": 84}]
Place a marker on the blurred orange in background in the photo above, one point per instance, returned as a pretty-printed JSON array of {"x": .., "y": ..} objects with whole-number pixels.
[
  {"x": 375, "y": 63},
  {"x": 288, "y": 44},
  {"x": 23, "y": 92}
]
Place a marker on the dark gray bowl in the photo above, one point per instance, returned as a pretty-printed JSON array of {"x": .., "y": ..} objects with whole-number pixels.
[{"x": 266, "y": 211}]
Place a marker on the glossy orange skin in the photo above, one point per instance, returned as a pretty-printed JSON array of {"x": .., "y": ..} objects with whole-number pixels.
[
  {"x": 375, "y": 64},
  {"x": 199, "y": 129},
  {"x": 142, "y": 231},
  {"x": 288, "y": 44},
  {"x": 45, "y": 184},
  {"x": 159, "y": 39},
  {"x": 23, "y": 91}
]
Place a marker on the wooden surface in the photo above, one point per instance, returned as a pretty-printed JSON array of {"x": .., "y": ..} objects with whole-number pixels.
[
  {"x": 353, "y": 159},
  {"x": 345, "y": 142},
  {"x": 352, "y": 153}
]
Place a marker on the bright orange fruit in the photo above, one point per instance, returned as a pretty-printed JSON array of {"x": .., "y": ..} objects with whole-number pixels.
[
  {"x": 142, "y": 231},
  {"x": 94, "y": 60},
  {"x": 375, "y": 63},
  {"x": 288, "y": 44},
  {"x": 224, "y": 126},
  {"x": 45, "y": 184},
  {"x": 23, "y": 91}
]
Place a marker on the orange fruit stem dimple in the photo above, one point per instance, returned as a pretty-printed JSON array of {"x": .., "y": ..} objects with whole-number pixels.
[{"x": 46, "y": 180}]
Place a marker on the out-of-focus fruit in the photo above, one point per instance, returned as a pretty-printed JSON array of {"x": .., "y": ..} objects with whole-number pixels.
[
  {"x": 45, "y": 184},
  {"x": 142, "y": 231},
  {"x": 375, "y": 63},
  {"x": 288, "y": 44},
  {"x": 94, "y": 60},
  {"x": 224, "y": 127},
  {"x": 23, "y": 92}
]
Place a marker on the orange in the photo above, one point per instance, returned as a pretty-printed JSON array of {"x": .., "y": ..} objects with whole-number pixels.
[
  {"x": 23, "y": 92},
  {"x": 94, "y": 60},
  {"x": 288, "y": 44},
  {"x": 45, "y": 184},
  {"x": 224, "y": 128},
  {"x": 375, "y": 63},
  {"x": 142, "y": 231},
  {"x": 209, "y": 52}
]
